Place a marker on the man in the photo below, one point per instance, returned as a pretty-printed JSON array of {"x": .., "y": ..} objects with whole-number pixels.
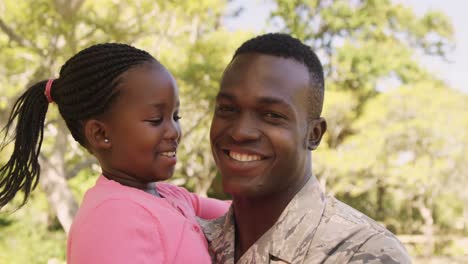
[{"x": 266, "y": 122}]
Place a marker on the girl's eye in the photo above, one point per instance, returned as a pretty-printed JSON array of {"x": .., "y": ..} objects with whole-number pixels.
[
  {"x": 155, "y": 122},
  {"x": 177, "y": 117}
]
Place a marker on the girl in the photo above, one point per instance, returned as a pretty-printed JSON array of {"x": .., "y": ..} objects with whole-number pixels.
[{"x": 122, "y": 105}]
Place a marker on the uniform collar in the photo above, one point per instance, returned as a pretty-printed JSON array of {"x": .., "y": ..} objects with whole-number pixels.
[{"x": 288, "y": 239}]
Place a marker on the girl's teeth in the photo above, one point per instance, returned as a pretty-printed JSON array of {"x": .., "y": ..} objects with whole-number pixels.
[
  {"x": 168, "y": 154},
  {"x": 243, "y": 157}
]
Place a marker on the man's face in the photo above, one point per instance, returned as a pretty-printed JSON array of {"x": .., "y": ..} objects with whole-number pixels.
[{"x": 260, "y": 130}]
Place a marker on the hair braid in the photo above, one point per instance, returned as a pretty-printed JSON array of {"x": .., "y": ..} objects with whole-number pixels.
[{"x": 22, "y": 169}]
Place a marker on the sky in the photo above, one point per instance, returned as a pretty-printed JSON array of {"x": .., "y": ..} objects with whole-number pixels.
[{"x": 454, "y": 71}]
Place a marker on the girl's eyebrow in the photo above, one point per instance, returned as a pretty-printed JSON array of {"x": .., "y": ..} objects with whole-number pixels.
[
  {"x": 162, "y": 105},
  {"x": 157, "y": 105}
]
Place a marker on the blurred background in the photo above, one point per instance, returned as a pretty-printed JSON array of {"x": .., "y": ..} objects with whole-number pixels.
[{"x": 396, "y": 104}]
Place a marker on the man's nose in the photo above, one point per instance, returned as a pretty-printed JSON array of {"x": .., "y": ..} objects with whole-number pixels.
[{"x": 245, "y": 128}]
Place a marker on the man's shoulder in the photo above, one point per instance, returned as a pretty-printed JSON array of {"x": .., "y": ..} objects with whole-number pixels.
[
  {"x": 218, "y": 228},
  {"x": 211, "y": 226},
  {"x": 382, "y": 247},
  {"x": 345, "y": 216},
  {"x": 347, "y": 235}
]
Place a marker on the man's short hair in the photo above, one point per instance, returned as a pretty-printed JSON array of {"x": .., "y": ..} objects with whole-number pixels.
[{"x": 286, "y": 46}]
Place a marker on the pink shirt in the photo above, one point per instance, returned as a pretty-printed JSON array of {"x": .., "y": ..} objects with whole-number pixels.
[{"x": 118, "y": 224}]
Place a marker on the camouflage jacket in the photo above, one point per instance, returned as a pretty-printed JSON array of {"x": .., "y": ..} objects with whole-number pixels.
[{"x": 313, "y": 228}]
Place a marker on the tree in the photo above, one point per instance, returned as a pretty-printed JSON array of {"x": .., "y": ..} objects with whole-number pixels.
[
  {"x": 368, "y": 48},
  {"x": 361, "y": 43},
  {"x": 415, "y": 159}
]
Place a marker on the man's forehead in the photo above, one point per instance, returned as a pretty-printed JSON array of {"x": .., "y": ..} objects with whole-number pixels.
[
  {"x": 255, "y": 57},
  {"x": 265, "y": 99},
  {"x": 267, "y": 77},
  {"x": 265, "y": 68}
]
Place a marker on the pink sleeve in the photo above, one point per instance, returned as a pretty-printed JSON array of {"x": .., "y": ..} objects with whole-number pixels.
[
  {"x": 118, "y": 232},
  {"x": 209, "y": 208},
  {"x": 205, "y": 208}
]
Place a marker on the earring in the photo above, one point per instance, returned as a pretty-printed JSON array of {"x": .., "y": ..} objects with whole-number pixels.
[{"x": 106, "y": 140}]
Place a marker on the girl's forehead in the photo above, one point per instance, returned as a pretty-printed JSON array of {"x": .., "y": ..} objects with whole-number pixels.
[
  {"x": 144, "y": 81},
  {"x": 145, "y": 88}
]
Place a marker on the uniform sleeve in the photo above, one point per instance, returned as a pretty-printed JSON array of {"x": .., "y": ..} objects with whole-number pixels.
[
  {"x": 381, "y": 248},
  {"x": 118, "y": 232}
]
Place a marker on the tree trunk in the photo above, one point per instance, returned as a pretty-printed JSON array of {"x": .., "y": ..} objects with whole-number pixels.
[
  {"x": 204, "y": 182},
  {"x": 380, "y": 200},
  {"x": 465, "y": 218},
  {"x": 68, "y": 8},
  {"x": 54, "y": 184},
  {"x": 428, "y": 228}
]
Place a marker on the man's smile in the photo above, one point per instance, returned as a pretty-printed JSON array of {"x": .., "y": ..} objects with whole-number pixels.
[{"x": 244, "y": 157}]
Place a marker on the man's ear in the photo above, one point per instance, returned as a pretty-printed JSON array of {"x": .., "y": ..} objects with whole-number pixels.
[
  {"x": 96, "y": 134},
  {"x": 317, "y": 127}
]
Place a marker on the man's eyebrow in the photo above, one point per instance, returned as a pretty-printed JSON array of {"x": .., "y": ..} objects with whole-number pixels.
[
  {"x": 223, "y": 95},
  {"x": 266, "y": 100},
  {"x": 274, "y": 101},
  {"x": 271, "y": 100}
]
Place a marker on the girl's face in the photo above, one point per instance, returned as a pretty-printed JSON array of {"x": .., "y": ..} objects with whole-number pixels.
[{"x": 142, "y": 127}]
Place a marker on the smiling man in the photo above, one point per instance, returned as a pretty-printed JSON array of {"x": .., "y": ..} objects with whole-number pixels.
[{"x": 266, "y": 123}]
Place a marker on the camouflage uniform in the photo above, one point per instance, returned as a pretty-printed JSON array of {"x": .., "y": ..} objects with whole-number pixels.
[{"x": 313, "y": 228}]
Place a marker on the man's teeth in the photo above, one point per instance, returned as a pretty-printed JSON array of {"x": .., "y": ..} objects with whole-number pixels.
[
  {"x": 169, "y": 153},
  {"x": 243, "y": 157}
]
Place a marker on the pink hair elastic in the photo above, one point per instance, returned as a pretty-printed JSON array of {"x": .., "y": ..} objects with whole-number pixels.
[{"x": 47, "y": 90}]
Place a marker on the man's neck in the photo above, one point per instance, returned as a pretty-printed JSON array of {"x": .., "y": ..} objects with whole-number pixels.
[{"x": 256, "y": 215}]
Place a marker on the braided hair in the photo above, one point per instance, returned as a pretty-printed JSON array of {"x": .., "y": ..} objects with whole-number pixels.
[
  {"x": 286, "y": 46},
  {"x": 86, "y": 88}
]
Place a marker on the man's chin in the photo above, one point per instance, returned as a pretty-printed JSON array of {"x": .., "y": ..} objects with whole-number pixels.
[{"x": 242, "y": 189}]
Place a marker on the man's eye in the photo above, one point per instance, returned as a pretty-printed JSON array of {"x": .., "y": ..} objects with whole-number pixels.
[{"x": 225, "y": 109}]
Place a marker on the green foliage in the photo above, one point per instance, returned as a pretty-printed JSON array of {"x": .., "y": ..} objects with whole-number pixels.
[
  {"x": 29, "y": 235},
  {"x": 411, "y": 142},
  {"x": 396, "y": 135}
]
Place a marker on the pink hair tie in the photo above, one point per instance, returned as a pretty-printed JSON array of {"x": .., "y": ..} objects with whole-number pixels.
[{"x": 47, "y": 90}]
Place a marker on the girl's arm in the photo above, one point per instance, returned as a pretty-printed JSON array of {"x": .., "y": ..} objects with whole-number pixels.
[{"x": 209, "y": 208}]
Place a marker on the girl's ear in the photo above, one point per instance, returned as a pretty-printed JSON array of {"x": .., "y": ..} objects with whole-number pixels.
[
  {"x": 96, "y": 134},
  {"x": 317, "y": 127}
]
